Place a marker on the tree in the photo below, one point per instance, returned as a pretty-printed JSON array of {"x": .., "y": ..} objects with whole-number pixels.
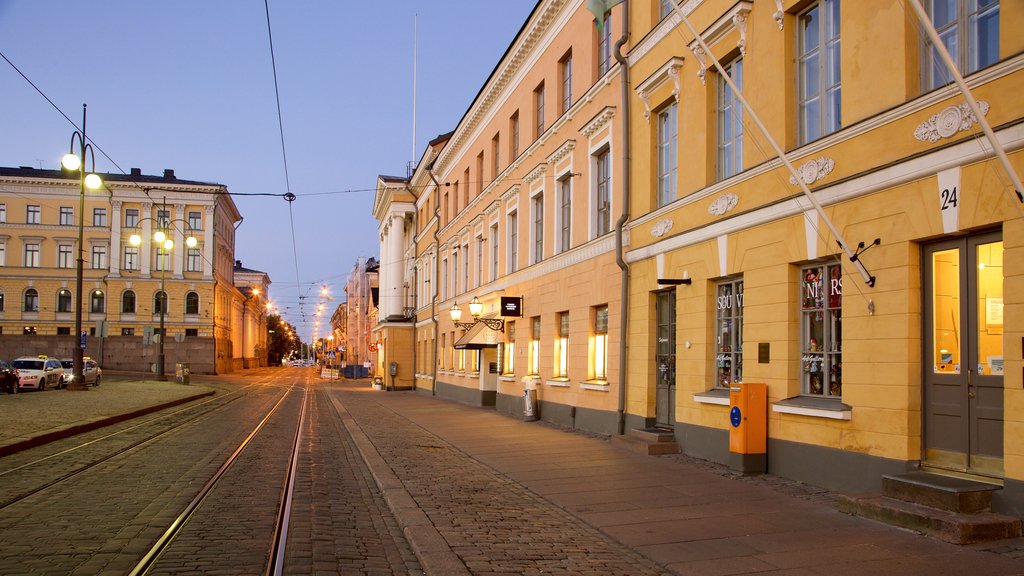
[{"x": 282, "y": 340}]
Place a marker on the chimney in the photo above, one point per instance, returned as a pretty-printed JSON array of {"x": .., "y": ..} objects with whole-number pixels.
[
  {"x": 136, "y": 172},
  {"x": 238, "y": 263},
  {"x": 169, "y": 173}
]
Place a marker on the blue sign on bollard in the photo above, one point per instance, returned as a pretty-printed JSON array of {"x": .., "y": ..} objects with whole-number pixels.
[
  {"x": 82, "y": 343},
  {"x": 735, "y": 417}
]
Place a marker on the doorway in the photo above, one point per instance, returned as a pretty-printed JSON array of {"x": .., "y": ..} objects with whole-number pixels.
[
  {"x": 665, "y": 359},
  {"x": 963, "y": 355}
]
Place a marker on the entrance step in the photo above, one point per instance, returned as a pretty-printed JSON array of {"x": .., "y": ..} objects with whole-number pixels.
[
  {"x": 952, "y": 509},
  {"x": 650, "y": 441}
]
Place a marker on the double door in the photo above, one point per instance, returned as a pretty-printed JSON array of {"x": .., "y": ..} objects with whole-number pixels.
[{"x": 963, "y": 355}]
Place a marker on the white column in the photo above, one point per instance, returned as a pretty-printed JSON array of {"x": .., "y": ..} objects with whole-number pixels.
[
  {"x": 115, "y": 238},
  {"x": 146, "y": 249},
  {"x": 394, "y": 266},
  {"x": 178, "y": 253},
  {"x": 208, "y": 244}
]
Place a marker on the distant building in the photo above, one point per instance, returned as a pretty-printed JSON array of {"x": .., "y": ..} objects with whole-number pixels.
[
  {"x": 361, "y": 312},
  {"x": 38, "y": 252},
  {"x": 249, "y": 318}
]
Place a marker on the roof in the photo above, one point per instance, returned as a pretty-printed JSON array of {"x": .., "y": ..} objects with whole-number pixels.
[
  {"x": 478, "y": 337},
  {"x": 167, "y": 178}
]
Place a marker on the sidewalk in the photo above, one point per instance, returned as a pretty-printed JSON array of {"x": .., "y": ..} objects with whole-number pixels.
[
  {"x": 689, "y": 516},
  {"x": 31, "y": 418}
]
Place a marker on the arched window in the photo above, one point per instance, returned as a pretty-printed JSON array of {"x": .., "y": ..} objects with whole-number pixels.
[
  {"x": 192, "y": 303},
  {"x": 97, "y": 302},
  {"x": 160, "y": 303},
  {"x": 128, "y": 302},
  {"x": 64, "y": 300},
  {"x": 31, "y": 300}
]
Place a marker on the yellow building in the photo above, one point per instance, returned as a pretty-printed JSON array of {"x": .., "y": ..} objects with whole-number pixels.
[
  {"x": 38, "y": 260},
  {"x": 908, "y": 356},
  {"x": 521, "y": 203}
]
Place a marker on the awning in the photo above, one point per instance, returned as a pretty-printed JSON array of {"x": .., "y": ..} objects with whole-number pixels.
[{"x": 479, "y": 336}]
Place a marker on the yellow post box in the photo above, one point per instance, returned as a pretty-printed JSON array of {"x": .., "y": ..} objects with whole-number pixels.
[{"x": 748, "y": 427}]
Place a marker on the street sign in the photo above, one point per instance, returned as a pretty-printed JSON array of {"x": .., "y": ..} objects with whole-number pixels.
[
  {"x": 512, "y": 306},
  {"x": 82, "y": 342}
]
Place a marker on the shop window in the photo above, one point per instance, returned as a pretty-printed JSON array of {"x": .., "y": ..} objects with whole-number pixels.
[
  {"x": 821, "y": 330},
  {"x": 534, "y": 351},
  {"x": 600, "y": 358},
  {"x": 562, "y": 346},
  {"x": 729, "y": 332},
  {"x": 127, "y": 331},
  {"x": 509, "y": 349}
]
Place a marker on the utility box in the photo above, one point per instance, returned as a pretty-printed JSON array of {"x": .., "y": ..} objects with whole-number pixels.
[
  {"x": 748, "y": 427},
  {"x": 182, "y": 373}
]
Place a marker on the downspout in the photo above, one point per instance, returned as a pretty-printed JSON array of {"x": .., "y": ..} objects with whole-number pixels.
[
  {"x": 624, "y": 299},
  {"x": 413, "y": 288},
  {"x": 437, "y": 275}
]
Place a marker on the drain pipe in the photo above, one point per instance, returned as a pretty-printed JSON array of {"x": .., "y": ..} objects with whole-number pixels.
[
  {"x": 624, "y": 315},
  {"x": 437, "y": 274}
]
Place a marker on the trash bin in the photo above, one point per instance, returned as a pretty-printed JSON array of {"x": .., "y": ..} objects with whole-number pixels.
[
  {"x": 378, "y": 383},
  {"x": 181, "y": 373},
  {"x": 530, "y": 405}
]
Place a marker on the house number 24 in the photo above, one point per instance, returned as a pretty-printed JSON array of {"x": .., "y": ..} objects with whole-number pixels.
[{"x": 949, "y": 198}]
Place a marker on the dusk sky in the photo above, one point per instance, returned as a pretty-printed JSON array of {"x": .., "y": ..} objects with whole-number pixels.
[{"x": 189, "y": 85}]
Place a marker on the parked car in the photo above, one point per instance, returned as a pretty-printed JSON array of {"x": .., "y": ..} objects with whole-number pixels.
[
  {"x": 8, "y": 377},
  {"x": 90, "y": 371},
  {"x": 39, "y": 372}
]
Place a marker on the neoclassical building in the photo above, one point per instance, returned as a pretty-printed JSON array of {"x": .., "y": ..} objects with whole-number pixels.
[{"x": 38, "y": 252}]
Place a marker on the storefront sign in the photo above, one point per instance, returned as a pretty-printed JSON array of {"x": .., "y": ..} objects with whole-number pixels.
[{"x": 512, "y": 306}]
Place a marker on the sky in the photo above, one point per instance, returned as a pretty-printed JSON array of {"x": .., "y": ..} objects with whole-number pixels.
[{"x": 189, "y": 85}]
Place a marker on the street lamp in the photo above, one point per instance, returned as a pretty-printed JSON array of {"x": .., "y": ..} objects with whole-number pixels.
[
  {"x": 162, "y": 240},
  {"x": 476, "y": 308},
  {"x": 75, "y": 162}
]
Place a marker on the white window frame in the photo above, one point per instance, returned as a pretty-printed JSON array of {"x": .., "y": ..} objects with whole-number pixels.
[
  {"x": 512, "y": 251},
  {"x": 729, "y": 113},
  {"x": 193, "y": 260},
  {"x": 811, "y": 100},
  {"x": 478, "y": 271},
  {"x": 964, "y": 25},
  {"x": 537, "y": 226},
  {"x": 668, "y": 153},
  {"x": 98, "y": 257},
  {"x": 599, "y": 358},
  {"x": 604, "y": 45},
  {"x": 33, "y": 214},
  {"x": 65, "y": 216},
  {"x": 596, "y": 219},
  {"x": 31, "y": 254},
  {"x": 65, "y": 255},
  {"x": 99, "y": 217},
  {"x": 817, "y": 301},
  {"x": 728, "y": 331},
  {"x": 495, "y": 252},
  {"x": 565, "y": 82},
  {"x": 131, "y": 217},
  {"x": 563, "y": 212},
  {"x": 534, "y": 349},
  {"x": 131, "y": 258},
  {"x": 562, "y": 345}
]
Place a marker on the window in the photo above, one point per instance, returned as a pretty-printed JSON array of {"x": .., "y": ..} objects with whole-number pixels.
[
  {"x": 534, "y": 346},
  {"x": 444, "y": 278},
  {"x": 63, "y": 300},
  {"x": 33, "y": 214},
  {"x": 495, "y": 152},
  {"x": 127, "y": 331},
  {"x": 444, "y": 207},
  {"x": 99, "y": 217},
  {"x": 160, "y": 303},
  {"x": 509, "y": 356},
  {"x": 163, "y": 218},
  {"x": 970, "y": 31},
  {"x": 538, "y": 110},
  {"x": 66, "y": 217},
  {"x": 3, "y": 253},
  {"x": 604, "y": 211},
  {"x": 99, "y": 257},
  {"x": 664, "y": 8},
  {"x": 64, "y": 256},
  {"x": 455, "y": 272},
  {"x": 465, "y": 189},
  {"x": 3, "y": 213},
  {"x": 193, "y": 261},
  {"x": 821, "y": 329},
  {"x": 31, "y": 300},
  {"x": 668, "y": 137},
  {"x": 513, "y": 241},
  {"x": 513, "y": 129},
  {"x": 97, "y": 302},
  {"x": 479, "y": 176},
  {"x": 131, "y": 257},
  {"x": 565, "y": 213},
  {"x": 192, "y": 303},
  {"x": 819, "y": 93},
  {"x": 562, "y": 346},
  {"x": 131, "y": 218},
  {"x": 1, "y": 301},
  {"x": 538, "y": 228},
  {"x": 163, "y": 259},
  {"x": 465, "y": 267},
  {"x": 479, "y": 271},
  {"x": 600, "y": 360},
  {"x": 195, "y": 220},
  {"x": 440, "y": 361},
  {"x": 604, "y": 44},
  {"x": 63, "y": 330},
  {"x": 128, "y": 302},
  {"x": 729, "y": 332},
  {"x": 31, "y": 254},
  {"x": 191, "y": 332},
  {"x": 29, "y": 330},
  {"x": 730, "y": 123},
  {"x": 494, "y": 252},
  {"x": 565, "y": 86}
]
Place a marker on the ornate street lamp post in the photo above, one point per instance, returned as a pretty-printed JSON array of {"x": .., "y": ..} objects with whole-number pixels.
[{"x": 76, "y": 162}]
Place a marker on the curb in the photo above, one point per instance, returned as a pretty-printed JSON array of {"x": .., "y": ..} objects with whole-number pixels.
[
  {"x": 431, "y": 549},
  {"x": 94, "y": 425}
]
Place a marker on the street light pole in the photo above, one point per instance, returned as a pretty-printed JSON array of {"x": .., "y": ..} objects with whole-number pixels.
[{"x": 72, "y": 162}]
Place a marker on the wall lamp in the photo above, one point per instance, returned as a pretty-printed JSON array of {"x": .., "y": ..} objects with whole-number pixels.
[{"x": 476, "y": 308}]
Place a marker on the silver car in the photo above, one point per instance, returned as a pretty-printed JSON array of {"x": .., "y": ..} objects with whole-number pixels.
[
  {"x": 91, "y": 371},
  {"x": 39, "y": 372}
]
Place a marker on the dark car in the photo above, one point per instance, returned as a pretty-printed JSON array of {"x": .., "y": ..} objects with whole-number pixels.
[{"x": 8, "y": 378}]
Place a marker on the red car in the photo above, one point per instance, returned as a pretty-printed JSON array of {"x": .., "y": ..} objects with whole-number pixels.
[{"x": 8, "y": 377}]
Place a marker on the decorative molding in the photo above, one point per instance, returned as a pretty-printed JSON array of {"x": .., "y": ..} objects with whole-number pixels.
[
  {"x": 511, "y": 193},
  {"x": 945, "y": 124},
  {"x": 598, "y": 122},
  {"x": 723, "y": 204},
  {"x": 661, "y": 32},
  {"x": 492, "y": 208},
  {"x": 814, "y": 170},
  {"x": 668, "y": 71},
  {"x": 702, "y": 71},
  {"x": 564, "y": 150},
  {"x": 779, "y": 13},
  {"x": 739, "y": 19},
  {"x": 538, "y": 172},
  {"x": 735, "y": 18},
  {"x": 661, "y": 228}
]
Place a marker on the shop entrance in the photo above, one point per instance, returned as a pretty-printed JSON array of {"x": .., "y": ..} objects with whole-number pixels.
[
  {"x": 963, "y": 355},
  {"x": 665, "y": 359}
]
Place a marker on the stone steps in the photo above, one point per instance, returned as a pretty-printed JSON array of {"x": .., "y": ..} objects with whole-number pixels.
[
  {"x": 649, "y": 441},
  {"x": 951, "y": 509}
]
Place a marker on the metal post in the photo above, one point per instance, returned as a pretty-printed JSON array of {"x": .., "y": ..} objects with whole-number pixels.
[
  {"x": 160, "y": 368},
  {"x": 77, "y": 381}
]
